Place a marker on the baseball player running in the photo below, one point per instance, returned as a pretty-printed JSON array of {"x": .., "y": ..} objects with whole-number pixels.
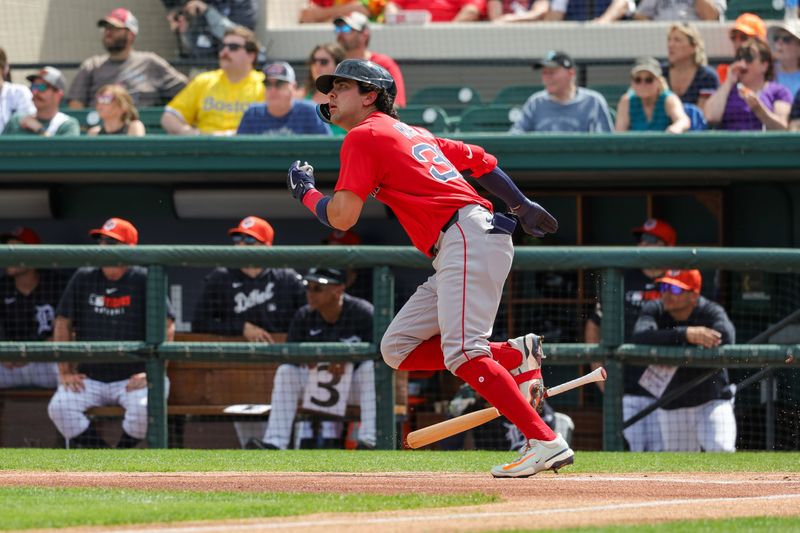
[{"x": 447, "y": 322}]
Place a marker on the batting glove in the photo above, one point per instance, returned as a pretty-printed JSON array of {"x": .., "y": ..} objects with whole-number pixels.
[
  {"x": 300, "y": 179},
  {"x": 535, "y": 219}
]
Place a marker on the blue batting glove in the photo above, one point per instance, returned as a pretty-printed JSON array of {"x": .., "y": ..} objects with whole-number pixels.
[
  {"x": 535, "y": 219},
  {"x": 300, "y": 179}
]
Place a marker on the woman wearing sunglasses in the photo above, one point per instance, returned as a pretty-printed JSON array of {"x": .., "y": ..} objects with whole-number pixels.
[
  {"x": 649, "y": 105},
  {"x": 322, "y": 60},
  {"x": 785, "y": 39},
  {"x": 118, "y": 114},
  {"x": 748, "y": 99}
]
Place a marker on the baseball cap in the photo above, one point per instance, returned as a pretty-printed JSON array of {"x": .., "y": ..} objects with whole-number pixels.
[
  {"x": 356, "y": 20},
  {"x": 255, "y": 227},
  {"x": 790, "y": 26},
  {"x": 325, "y": 276},
  {"x": 752, "y": 25},
  {"x": 121, "y": 18},
  {"x": 51, "y": 76},
  {"x": 689, "y": 280},
  {"x": 119, "y": 229},
  {"x": 554, "y": 58},
  {"x": 657, "y": 228},
  {"x": 22, "y": 234},
  {"x": 345, "y": 238},
  {"x": 280, "y": 70},
  {"x": 647, "y": 64}
]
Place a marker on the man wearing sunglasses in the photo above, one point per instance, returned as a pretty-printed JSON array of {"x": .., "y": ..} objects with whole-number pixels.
[
  {"x": 47, "y": 87},
  {"x": 213, "y": 102},
  {"x": 282, "y": 114},
  {"x": 702, "y": 419},
  {"x": 640, "y": 288},
  {"x": 353, "y": 34},
  {"x": 331, "y": 315},
  {"x": 746, "y": 26},
  {"x": 148, "y": 77},
  {"x": 104, "y": 304}
]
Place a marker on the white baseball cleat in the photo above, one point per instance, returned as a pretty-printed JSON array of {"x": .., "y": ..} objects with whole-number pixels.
[
  {"x": 537, "y": 456},
  {"x": 530, "y": 346}
]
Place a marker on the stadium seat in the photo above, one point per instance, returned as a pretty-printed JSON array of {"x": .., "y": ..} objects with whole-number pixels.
[
  {"x": 612, "y": 93},
  {"x": 696, "y": 116},
  {"x": 430, "y": 117},
  {"x": 491, "y": 118},
  {"x": 516, "y": 94},
  {"x": 762, "y": 8},
  {"x": 452, "y": 98}
]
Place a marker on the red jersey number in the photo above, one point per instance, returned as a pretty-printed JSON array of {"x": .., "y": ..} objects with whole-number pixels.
[{"x": 439, "y": 166}]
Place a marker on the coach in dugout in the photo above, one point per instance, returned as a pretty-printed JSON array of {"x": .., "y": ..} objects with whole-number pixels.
[{"x": 702, "y": 419}]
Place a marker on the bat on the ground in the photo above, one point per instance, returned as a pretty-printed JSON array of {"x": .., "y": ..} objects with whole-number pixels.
[{"x": 442, "y": 430}]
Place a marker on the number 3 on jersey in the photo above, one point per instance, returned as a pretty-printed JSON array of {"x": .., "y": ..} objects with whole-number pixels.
[{"x": 440, "y": 167}]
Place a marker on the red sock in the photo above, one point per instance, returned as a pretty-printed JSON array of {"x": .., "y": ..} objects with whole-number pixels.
[
  {"x": 497, "y": 386},
  {"x": 427, "y": 356},
  {"x": 508, "y": 356}
]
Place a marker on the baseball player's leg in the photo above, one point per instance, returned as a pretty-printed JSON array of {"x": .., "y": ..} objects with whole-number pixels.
[
  {"x": 290, "y": 381},
  {"x": 716, "y": 426},
  {"x": 67, "y": 408},
  {"x": 362, "y": 393},
  {"x": 644, "y": 435},
  {"x": 134, "y": 402},
  {"x": 678, "y": 429},
  {"x": 412, "y": 341}
]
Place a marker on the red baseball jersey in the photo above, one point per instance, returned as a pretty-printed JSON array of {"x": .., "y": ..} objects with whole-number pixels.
[{"x": 415, "y": 173}]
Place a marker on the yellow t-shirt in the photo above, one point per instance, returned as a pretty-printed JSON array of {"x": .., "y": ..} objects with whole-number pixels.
[{"x": 210, "y": 102}]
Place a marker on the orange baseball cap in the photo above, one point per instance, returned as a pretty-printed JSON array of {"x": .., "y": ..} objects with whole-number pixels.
[
  {"x": 119, "y": 229},
  {"x": 21, "y": 234},
  {"x": 257, "y": 228},
  {"x": 752, "y": 25},
  {"x": 343, "y": 238},
  {"x": 688, "y": 280},
  {"x": 659, "y": 229}
]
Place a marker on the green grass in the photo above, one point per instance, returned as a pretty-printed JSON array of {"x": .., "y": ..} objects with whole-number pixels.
[
  {"x": 27, "y": 508},
  {"x": 376, "y": 461},
  {"x": 730, "y": 525}
]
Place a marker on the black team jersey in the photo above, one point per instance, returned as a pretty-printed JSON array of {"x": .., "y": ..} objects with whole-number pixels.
[
  {"x": 354, "y": 324},
  {"x": 30, "y": 317}
]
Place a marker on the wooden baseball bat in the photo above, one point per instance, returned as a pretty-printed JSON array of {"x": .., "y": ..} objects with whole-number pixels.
[{"x": 442, "y": 430}]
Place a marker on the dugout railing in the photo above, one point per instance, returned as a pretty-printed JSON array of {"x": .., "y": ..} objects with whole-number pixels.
[{"x": 610, "y": 261}]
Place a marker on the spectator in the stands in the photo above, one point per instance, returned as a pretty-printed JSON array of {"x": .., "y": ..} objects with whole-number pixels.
[
  {"x": 117, "y": 113},
  {"x": 616, "y": 10},
  {"x": 14, "y": 97},
  {"x": 323, "y": 60},
  {"x": 649, "y": 105},
  {"x": 687, "y": 70},
  {"x": 747, "y": 26},
  {"x": 517, "y": 10},
  {"x": 794, "y": 116},
  {"x": 147, "y": 77},
  {"x": 442, "y": 10},
  {"x": 328, "y": 10},
  {"x": 785, "y": 39},
  {"x": 749, "y": 99},
  {"x": 47, "y": 87},
  {"x": 700, "y": 419},
  {"x": 201, "y": 25},
  {"x": 213, "y": 103},
  {"x": 563, "y": 106},
  {"x": 282, "y": 114},
  {"x": 577, "y": 10},
  {"x": 683, "y": 10},
  {"x": 352, "y": 32}
]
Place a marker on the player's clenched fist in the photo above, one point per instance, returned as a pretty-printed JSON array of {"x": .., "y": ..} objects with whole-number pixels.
[
  {"x": 535, "y": 219},
  {"x": 300, "y": 179}
]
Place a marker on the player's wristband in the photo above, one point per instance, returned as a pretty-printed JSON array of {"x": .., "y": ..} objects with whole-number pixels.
[{"x": 317, "y": 203}]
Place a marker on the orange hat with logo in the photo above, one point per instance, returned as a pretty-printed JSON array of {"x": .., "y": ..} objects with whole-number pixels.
[
  {"x": 21, "y": 234},
  {"x": 342, "y": 238},
  {"x": 751, "y": 25},
  {"x": 257, "y": 228},
  {"x": 119, "y": 229},
  {"x": 659, "y": 229},
  {"x": 688, "y": 280}
]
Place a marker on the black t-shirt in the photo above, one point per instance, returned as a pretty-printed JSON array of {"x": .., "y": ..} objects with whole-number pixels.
[
  {"x": 656, "y": 326},
  {"x": 231, "y": 298},
  {"x": 105, "y": 310},
  {"x": 354, "y": 324},
  {"x": 639, "y": 288},
  {"x": 31, "y": 317}
]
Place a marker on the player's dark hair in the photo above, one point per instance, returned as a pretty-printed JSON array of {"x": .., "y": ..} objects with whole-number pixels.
[{"x": 384, "y": 102}]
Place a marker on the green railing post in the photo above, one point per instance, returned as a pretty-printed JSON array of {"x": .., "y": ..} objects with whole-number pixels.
[
  {"x": 383, "y": 298},
  {"x": 156, "y": 367},
  {"x": 613, "y": 333}
]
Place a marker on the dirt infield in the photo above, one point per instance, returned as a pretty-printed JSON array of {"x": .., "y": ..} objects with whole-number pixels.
[{"x": 544, "y": 501}]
